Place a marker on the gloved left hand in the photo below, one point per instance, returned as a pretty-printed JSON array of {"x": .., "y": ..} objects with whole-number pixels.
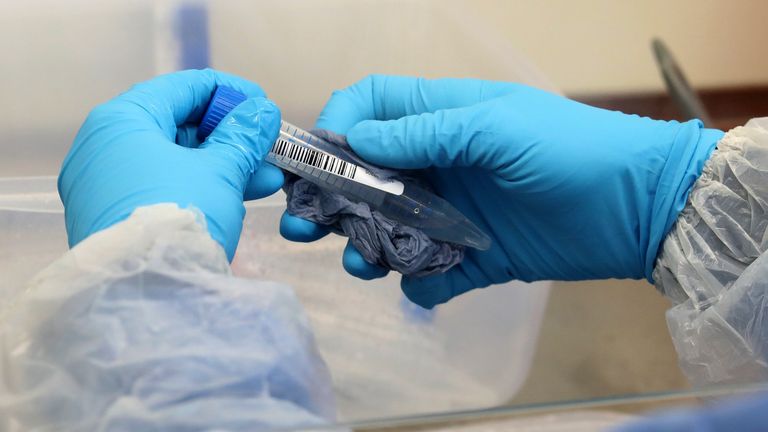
[{"x": 140, "y": 149}]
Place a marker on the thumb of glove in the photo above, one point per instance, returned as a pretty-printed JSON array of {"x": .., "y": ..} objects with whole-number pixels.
[{"x": 245, "y": 135}]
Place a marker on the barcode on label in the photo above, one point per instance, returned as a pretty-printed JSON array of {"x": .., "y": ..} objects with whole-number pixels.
[{"x": 314, "y": 158}]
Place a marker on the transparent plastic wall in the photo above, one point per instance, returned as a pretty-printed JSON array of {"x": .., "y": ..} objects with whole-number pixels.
[
  {"x": 302, "y": 50},
  {"x": 59, "y": 60},
  {"x": 388, "y": 357}
]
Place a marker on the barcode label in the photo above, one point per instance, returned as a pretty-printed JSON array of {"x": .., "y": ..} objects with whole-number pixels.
[
  {"x": 314, "y": 158},
  {"x": 286, "y": 149}
]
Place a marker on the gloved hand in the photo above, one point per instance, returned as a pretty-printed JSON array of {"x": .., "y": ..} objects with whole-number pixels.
[
  {"x": 565, "y": 190},
  {"x": 746, "y": 414},
  {"x": 140, "y": 149}
]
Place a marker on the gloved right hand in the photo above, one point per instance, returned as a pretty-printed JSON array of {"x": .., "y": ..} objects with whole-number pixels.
[{"x": 566, "y": 191}]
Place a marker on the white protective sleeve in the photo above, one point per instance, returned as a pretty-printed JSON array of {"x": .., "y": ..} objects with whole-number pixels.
[
  {"x": 714, "y": 264},
  {"x": 142, "y": 327}
]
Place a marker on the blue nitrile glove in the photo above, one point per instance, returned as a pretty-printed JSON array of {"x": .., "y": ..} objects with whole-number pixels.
[
  {"x": 749, "y": 414},
  {"x": 140, "y": 149},
  {"x": 565, "y": 190}
]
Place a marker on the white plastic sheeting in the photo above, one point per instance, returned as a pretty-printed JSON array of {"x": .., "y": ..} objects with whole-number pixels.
[
  {"x": 156, "y": 334},
  {"x": 714, "y": 264}
]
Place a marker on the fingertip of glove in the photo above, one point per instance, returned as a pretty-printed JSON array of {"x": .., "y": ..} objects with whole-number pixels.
[
  {"x": 357, "y": 266},
  {"x": 426, "y": 292},
  {"x": 430, "y": 291},
  {"x": 267, "y": 180},
  {"x": 271, "y": 116},
  {"x": 300, "y": 230},
  {"x": 252, "y": 125},
  {"x": 366, "y": 140},
  {"x": 262, "y": 109}
]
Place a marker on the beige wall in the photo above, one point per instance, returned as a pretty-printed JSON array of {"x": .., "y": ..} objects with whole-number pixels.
[{"x": 603, "y": 45}]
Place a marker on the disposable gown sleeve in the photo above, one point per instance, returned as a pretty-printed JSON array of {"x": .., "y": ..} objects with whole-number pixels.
[
  {"x": 142, "y": 327},
  {"x": 714, "y": 264}
]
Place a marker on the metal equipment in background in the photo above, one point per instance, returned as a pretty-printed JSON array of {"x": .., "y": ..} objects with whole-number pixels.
[{"x": 678, "y": 87}]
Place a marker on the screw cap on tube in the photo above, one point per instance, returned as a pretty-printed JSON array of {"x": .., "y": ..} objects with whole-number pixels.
[{"x": 224, "y": 100}]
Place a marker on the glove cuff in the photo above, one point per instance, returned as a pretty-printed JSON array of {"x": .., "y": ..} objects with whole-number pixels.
[{"x": 691, "y": 148}]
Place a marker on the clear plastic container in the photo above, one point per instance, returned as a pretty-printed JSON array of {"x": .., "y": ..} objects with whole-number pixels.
[{"x": 387, "y": 356}]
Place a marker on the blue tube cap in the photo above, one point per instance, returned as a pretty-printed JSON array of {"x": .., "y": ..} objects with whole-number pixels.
[{"x": 224, "y": 100}]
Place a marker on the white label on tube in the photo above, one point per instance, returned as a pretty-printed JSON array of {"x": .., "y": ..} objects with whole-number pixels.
[
  {"x": 288, "y": 149},
  {"x": 392, "y": 186}
]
